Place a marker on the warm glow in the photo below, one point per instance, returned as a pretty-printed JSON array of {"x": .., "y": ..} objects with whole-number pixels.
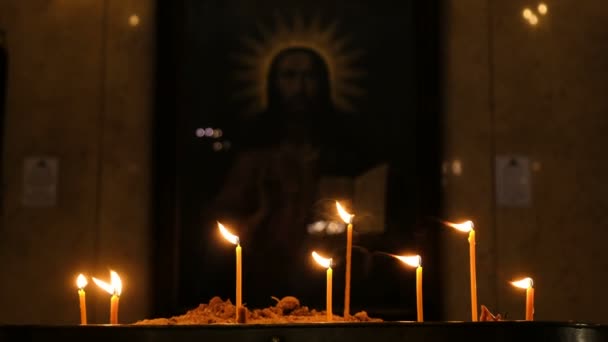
[
  {"x": 457, "y": 167},
  {"x": 412, "y": 260},
  {"x": 321, "y": 260},
  {"x": 346, "y": 217},
  {"x": 527, "y": 13},
  {"x": 116, "y": 283},
  {"x": 465, "y": 227},
  {"x": 333, "y": 44},
  {"x": 233, "y": 239},
  {"x": 81, "y": 281},
  {"x": 114, "y": 288},
  {"x": 134, "y": 20},
  {"x": 542, "y": 8},
  {"x": 524, "y": 283},
  {"x": 533, "y": 20}
]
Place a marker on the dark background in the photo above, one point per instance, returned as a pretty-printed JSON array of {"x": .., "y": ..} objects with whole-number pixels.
[{"x": 398, "y": 118}]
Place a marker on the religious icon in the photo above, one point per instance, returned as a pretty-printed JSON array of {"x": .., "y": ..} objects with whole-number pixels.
[
  {"x": 332, "y": 54},
  {"x": 315, "y": 103}
]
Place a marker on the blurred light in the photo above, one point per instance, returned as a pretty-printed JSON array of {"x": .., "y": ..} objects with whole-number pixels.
[
  {"x": 457, "y": 167},
  {"x": 527, "y": 13},
  {"x": 329, "y": 227},
  {"x": 335, "y": 228},
  {"x": 209, "y": 131},
  {"x": 134, "y": 20},
  {"x": 217, "y": 133},
  {"x": 533, "y": 20},
  {"x": 316, "y": 227},
  {"x": 217, "y": 146},
  {"x": 542, "y": 8},
  {"x": 200, "y": 132}
]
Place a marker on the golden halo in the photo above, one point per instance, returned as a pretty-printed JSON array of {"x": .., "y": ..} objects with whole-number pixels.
[{"x": 255, "y": 63}]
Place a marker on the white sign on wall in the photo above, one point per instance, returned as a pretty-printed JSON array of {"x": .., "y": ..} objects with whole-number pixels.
[
  {"x": 40, "y": 175},
  {"x": 513, "y": 181}
]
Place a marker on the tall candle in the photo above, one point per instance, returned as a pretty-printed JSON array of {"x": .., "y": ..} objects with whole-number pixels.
[
  {"x": 415, "y": 261},
  {"x": 473, "y": 271},
  {"x": 348, "y": 219},
  {"x": 530, "y": 303},
  {"x": 81, "y": 282},
  {"x": 325, "y": 262},
  {"x": 114, "y": 309},
  {"x": 419, "y": 293},
  {"x": 239, "y": 268},
  {"x": 527, "y": 284},
  {"x": 467, "y": 227},
  {"x": 239, "y": 281},
  {"x": 328, "y": 294},
  {"x": 349, "y": 251},
  {"x": 115, "y": 289}
]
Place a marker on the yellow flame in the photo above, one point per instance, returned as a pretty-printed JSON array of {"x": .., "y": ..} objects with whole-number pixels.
[
  {"x": 81, "y": 281},
  {"x": 465, "y": 226},
  {"x": 542, "y": 8},
  {"x": 233, "y": 239},
  {"x": 321, "y": 260},
  {"x": 527, "y": 13},
  {"x": 412, "y": 260},
  {"x": 116, "y": 283},
  {"x": 523, "y": 283},
  {"x": 346, "y": 217},
  {"x": 114, "y": 288}
]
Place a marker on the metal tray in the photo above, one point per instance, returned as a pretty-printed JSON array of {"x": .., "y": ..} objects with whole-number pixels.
[{"x": 351, "y": 332}]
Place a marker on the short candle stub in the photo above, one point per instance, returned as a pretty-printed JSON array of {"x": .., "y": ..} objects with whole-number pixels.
[{"x": 242, "y": 315}]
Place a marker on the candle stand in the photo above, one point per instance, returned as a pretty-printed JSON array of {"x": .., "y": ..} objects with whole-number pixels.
[{"x": 351, "y": 332}]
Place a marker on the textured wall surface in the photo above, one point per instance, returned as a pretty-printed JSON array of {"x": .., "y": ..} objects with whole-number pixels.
[
  {"x": 79, "y": 90},
  {"x": 538, "y": 92}
]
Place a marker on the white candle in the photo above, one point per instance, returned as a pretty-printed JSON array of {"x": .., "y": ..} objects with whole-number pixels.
[
  {"x": 415, "y": 261},
  {"x": 348, "y": 220},
  {"x": 81, "y": 282},
  {"x": 239, "y": 267},
  {"x": 115, "y": 289},
  {"x": 467, "y": 227},
  {"x": 527, "y": 284},
  {"x": 327, "y": 264}
]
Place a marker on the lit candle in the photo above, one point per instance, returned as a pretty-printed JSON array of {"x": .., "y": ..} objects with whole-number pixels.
[
  {"x": 81, "y": 282},
  {"x": 527, "y": 284},
  {"x": 327, "y": 264},
  {"x": 415, "y": 261},
  {"x": 348, "y": 220},
  {"x": 467, "y": 227},
  {"x": 239, "y": 267},
  {"x": 115, "y": 289}
]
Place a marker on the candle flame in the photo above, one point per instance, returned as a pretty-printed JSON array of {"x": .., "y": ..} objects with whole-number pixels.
[
  {"x": 116, "y": 283},
  {"x": 411, "y": 260},
  {"x": 115, "y": 286},
  {"x": 233, "y": 239},
  {"x": 465, "y": 226},
  {"x": 523, "y": 283},
  {"x": 325, "y": 262},
  {"x": 81, "y": 281},
  {"x": 346, "y": 217}
]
